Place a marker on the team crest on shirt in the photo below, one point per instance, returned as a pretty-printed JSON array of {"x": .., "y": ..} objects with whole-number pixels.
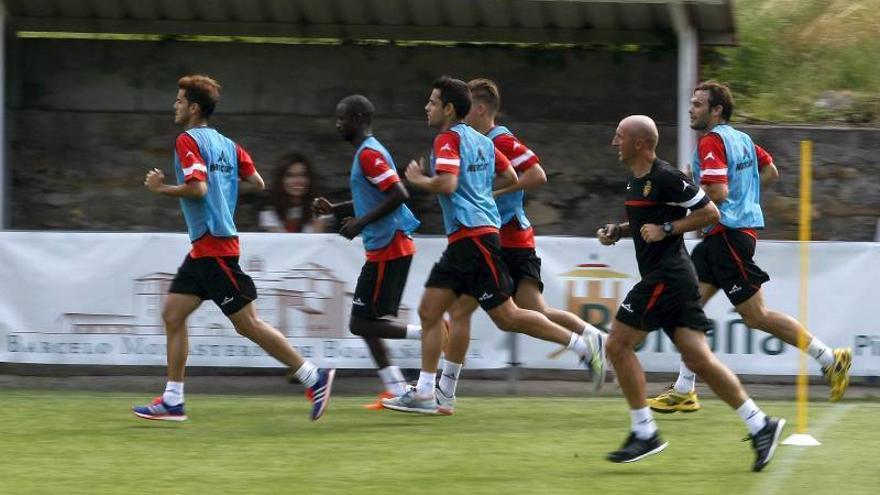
[{"x": 647, "y": 189}]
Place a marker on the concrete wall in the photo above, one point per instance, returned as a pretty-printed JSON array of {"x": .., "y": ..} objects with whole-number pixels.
[{"x": 89, "y": 118}]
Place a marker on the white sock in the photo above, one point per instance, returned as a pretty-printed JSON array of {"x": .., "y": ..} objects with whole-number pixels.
[
  {"x": 752, "y": 415},
  {"x": 173, "y": 395},
  {"x": 643, "y": 424},
  {"x": 393, "y": 380},
  {"x": 307, "y": 374},
  {"x": 686, "y": 380},
  {"x": 425, "y": 387},
  {"x": 590, "y": 330},
  {"x": 821, "y": 352},
  {"x": 449, "y": 378},
  {"x": 414, "y": 332},
  {"x": 578, "y": 345}
]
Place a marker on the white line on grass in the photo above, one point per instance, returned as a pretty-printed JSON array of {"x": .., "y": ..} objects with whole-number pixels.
[{"x": 781, "y": 469}]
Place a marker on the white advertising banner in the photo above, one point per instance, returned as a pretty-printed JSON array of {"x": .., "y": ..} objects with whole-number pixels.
[{"x": 90, "y": 298}]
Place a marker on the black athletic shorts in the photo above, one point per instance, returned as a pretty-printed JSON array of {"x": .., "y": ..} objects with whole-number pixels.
[
  {"x": 219, "y": 279},
  {"x": 380, "y": 287},
  {"x": 724, "y": 260},
  {"x": 474, "y": 266},
  {"x": 522, "y": 263},
  {"x": 666, "y": 303}
]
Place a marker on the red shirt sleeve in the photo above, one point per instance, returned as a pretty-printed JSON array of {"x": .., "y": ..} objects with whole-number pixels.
[
  {"x": 501, "y": 162},
  {"x": 764, "y": 158},
  {"x": 520, "y": 156},
  {"x": 246, "y": 166},
  {"x": 447, "y": 158},
  {"x": 376, "y": 169},
  {"x": 713, "y": 159},
  {"x": 190, "y": 158}
]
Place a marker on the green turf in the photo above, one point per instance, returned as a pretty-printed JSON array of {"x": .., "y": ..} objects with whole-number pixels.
[{"x": 89, "y": 443}]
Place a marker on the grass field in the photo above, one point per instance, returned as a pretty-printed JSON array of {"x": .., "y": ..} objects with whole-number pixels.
[{"x": 89, "y": 443}]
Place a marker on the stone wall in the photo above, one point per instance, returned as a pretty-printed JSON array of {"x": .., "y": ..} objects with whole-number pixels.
[{"x": 87, "y": 119}]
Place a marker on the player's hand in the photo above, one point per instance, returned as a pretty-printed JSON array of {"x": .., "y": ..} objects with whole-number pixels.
[
  {"x": 609, "y": 234},
  {"x": 652, "y": 233},
  {"x": 414, "y": 172},
  {"x": 321, "y": 206},
  {"x": 351, "y": 228},
  {"x": 154, "y": 180}
]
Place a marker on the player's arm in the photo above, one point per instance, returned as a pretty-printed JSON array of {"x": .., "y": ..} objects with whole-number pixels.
[
  {"x": 717, "y": 192},
  {"x": 395, "y": 195},
  {"x": 678, "y": 190},
  {"x": 323, "y": 206},
  {"x": 768, "y": 171},
  {"x": 713, "y": 167},
  {"x": 192, "y": 189},
  {"x": 442, "y": 183},
  {"x": 612, "y": 232},
  {"x": 250, "y": 180},
  {"x": 530, "y": 179}
]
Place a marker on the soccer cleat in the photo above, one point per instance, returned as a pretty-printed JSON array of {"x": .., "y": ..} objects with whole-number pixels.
[
  {"x": 159, "y": 410},
  {"x": 319, "y": 393},
  {"x": 671, "y": 401},
  {"x": 376, "y": 405},
  {"x": 597, "y": 363},
  {"x": 412, "y": 403},
  {"x": 445, "y": 405},
  {"x": 765, "y": 441},
  {"x": 635, "y": 449},
  {"x": 837, "y": 374}
]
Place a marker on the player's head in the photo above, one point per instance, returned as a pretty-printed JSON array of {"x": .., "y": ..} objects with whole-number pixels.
[
  {"x": 450, "y": 101},
  {"x": 485, "y": 101},
  {"x": 354, "y": 115},
  {"x": 636, "y": 137},
  {"x": 711, "y": 104},
  {"x": 197, "y": 95}
]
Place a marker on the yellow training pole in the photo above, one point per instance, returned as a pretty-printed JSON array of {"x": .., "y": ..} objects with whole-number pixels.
[
  {"x": 801, "y": 437},
  {"x": 805, "y": 235}
]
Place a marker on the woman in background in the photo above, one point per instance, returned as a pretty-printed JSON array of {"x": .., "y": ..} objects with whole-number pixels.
[{"x": 290, "y": 198}]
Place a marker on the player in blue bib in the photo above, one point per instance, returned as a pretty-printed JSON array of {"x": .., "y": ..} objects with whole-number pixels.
[
  {"x": 731, "y": 169},
  {"x": 209, "y": 167},
  {"x": 378, "y": 214}
]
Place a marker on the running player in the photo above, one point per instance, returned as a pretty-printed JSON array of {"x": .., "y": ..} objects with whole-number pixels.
[
  {"x": 517, "y": 246},
  {"x": 208, "y": 167},
  {"x": 386, "y": 225},
  {"x": 658, "y": 198},
  {"x": 465, "y": 163},
  {"x": 732, "y": 169}
]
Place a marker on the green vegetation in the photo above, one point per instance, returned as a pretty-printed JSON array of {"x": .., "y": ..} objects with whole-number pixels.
[
  {"x": 87, "y": 443},
  {"x": 803, "y": 60}
]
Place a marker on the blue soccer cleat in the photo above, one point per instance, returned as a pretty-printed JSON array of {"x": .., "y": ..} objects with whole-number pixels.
[
  {"x": 159, "y": 410},
  {"x": 319, "y": 393}
]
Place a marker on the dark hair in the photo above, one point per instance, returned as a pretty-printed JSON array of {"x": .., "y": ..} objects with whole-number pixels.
[
  {"x": 201, "y": 90},
  {"x": 719, "y": 95},
  {"x": 359, "y": 105},
  {"x": 454, "y": 91},
  {"x": 278, "y": 197},
  {"x": 487, "y": 92}
]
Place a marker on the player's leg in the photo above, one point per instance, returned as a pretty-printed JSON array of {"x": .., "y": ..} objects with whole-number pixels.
[
  {"x": 763, "y": 430},
  {"x": 377, "y": 294},
  {"x": 184, "y": 297},
  {"x": 835, "y": 363},
  {"x": 644, "y": 438},
  {"x": 435, "y": 302},
  {"x": 455, "y": 352},
  {"x": 529, "y": 296},
  {"x": 682, "y": 396}
]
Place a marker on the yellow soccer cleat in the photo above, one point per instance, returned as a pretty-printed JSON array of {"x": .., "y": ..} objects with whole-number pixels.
[
  {"x": 671, "y": 401},
  {"x": 837, "y": 374}
]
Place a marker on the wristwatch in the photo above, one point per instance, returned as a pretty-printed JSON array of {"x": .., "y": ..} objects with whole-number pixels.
[{"x": 667, "y": 229}]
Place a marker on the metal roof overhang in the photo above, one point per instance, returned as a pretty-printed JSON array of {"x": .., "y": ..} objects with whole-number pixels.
[{"x": 492, "y": 21}]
